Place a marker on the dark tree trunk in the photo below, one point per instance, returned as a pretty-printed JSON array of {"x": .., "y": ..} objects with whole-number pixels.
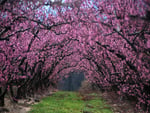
[
  {"x": 12, "y": 94},
  {"x": 21, "y": 93},
  {"x": 1, "y": 100},
  {"x": 2, "y": 95}
]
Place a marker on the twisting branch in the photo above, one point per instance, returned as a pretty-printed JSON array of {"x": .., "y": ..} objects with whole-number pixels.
[{"x": 8, "y": 36}]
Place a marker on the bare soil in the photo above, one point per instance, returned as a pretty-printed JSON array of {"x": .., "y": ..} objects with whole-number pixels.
[
  {"x": 11, "y": 107},
  {"x": 23, "y": 105}
]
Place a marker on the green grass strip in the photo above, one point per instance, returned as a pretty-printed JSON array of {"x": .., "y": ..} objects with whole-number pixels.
[{"x": 71, "y": 102}]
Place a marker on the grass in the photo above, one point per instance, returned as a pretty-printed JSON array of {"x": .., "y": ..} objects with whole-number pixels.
[{"x": 71, "y": 102}]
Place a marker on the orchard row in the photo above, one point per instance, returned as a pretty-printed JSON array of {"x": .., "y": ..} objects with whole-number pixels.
[{"x": 43, "y": 40}]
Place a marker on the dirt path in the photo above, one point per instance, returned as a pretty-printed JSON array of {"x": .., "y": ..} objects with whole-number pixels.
[
  {"x": 23, "y": 105},
  {"x": 11, "y": 107},
  {"x": 119, "y": 105}
]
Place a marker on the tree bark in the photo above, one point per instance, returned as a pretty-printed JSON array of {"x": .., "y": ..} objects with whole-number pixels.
[
  {"x": 2, "y": 101},
  {"x": 12, "y": 94},
  {"x": 21, "y": 93},
  {"x": 2, "y": 95}
]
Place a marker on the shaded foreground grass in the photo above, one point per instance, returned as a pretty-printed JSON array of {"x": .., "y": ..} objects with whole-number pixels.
[{"x": 71, "y": 102}]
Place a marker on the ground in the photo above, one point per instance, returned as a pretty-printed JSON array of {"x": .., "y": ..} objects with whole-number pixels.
[
  {"x": 72, "y": 102},
  {"x": 113, "y": 101}
]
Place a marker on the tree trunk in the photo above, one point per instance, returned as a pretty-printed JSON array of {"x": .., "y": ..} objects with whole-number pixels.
[
  {"x": 2, "y": 95},
  {"x": 21, "y": 93},
  {"x": 12, "y": 94},
  {"x": 1, "y": 100}
]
